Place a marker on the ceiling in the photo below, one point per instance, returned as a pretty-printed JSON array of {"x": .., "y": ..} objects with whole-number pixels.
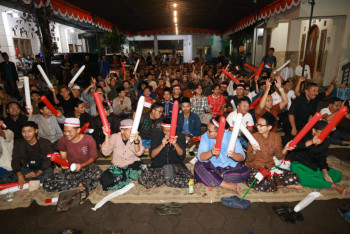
[{"x": 138, "y": 16}]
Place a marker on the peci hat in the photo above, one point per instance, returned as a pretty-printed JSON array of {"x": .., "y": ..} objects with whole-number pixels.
[{"x": 72, "y": 122}]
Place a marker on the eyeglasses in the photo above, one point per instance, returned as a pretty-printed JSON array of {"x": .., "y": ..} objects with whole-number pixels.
[{"x": 261, "y": 125}]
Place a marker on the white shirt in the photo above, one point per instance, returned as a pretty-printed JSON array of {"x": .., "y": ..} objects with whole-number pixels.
[
  {"x": 7, "y": 147},
  {"x": 286, "y": 73},
  {"x": 276, "y": 98},
  {"x": 247, "y": 120},
  {"x": 307, "y": 73},
  {"x": 326, "y": 111}
]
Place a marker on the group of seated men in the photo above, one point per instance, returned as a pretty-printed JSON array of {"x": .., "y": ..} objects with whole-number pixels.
[{"x": 205, "y": 96}]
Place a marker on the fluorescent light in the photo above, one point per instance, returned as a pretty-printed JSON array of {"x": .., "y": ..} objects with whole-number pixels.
[
  {"x": 175, "y": 19},
  {"x": 175, "y": 4},
  {"x": 175, "y": 13}
]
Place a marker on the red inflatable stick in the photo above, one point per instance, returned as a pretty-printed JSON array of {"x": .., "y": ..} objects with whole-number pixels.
[
  {"x": 230, "y": 75},
  {"x": 86, "y": 126},
  {"x": 258, "y": 72},
  {"x": 251, "y": 68},
  {"x": 334, "y": 121},
  {"x": 305, "y": 130},
  {"x": 57, "y": 159},
  {"x": 10, "y": 185},
  {"x": 123, "y": 69},
  {"x": 49, "y": 105},
  {"x": 251, "y": 76},
  {"x": 102, "y": 112},
  {"x": 174, "y": 115},
  {"x": 220, "y": 134},
  {"x": 255, "y": 103}
]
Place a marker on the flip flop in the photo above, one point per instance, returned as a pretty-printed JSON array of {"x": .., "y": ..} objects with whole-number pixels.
[
  {"x": 284, "y": 214},
  {"x": 168, "y": 211},
  {"x": 169, "y": 205},
  {"x": 235, "y": 202}
]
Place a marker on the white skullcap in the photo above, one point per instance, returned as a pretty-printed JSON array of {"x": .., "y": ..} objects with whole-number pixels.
[{"x": 72, "y": 122}]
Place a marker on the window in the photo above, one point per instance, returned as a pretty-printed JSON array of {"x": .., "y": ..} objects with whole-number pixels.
[
  {"x": 321, "y": 49},
  {"x": 303, "y": 38},
  {"x": 23, "y": 46}
]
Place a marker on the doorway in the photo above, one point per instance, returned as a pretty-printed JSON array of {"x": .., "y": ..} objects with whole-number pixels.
[{"x": 311, "y": 49}]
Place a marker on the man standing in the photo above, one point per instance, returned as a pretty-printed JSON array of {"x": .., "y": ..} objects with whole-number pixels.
[
  {"x": 270, "y": 61},
  {"x": 9, "y": 77},
  {"x": 167, "y": 102},
  {"x": 79, "y": 149}
]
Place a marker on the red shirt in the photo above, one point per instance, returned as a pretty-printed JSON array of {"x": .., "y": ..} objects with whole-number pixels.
[
  {"x": 159, "y": 93},
  {"x": 79, "y": 152},
  {"x": 216, "y": 103}
]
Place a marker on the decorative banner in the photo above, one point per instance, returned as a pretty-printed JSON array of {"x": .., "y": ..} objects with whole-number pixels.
[
  {"x": 49, "y": 105},
  {"x": 255, "y": 103},
  {"x": 220, "y": 134},
  {"x": 86, "y": 126},
  {"x": 234, "y": 136},
  {"x": 102, "y": 112},
  {"x": 123, "y": 69},
  {"x": 334, "y": 121},
  {"x": 10, "y": 185},
  {"x": 48, "y": 82},
  {"x": 305, "y": 130},
  {"x": 77, "y": 75},
  {"x": 138, "y": 115},
  {"x": 57, "y": 159},
  {"x": 174, "y": 116},
  {"x": 281, "y": 67},
  {"x": 230, "y": 75},
  {"x": 27, "y": 92}
]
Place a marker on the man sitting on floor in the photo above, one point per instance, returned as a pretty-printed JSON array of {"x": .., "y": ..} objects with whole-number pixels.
[
  {"x": 338, "y": 136},
  {"x": 309, "y": 161},
  {"x": 29, "y": 157},
  {"x": 79, "y": 149},
  {"x": 225, "y": 170},
  {"x": 163, "y": 154},
  {"x": 49, "y": 127},
  {"x": 188, "y": 123},
  {"x": 270, "y": 145},
  {"x": 126, "y": 161}
]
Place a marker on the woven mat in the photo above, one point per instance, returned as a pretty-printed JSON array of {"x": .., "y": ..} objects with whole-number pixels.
[{"x": 202, "y": 194}]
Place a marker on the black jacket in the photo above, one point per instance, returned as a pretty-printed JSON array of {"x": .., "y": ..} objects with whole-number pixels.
[{"x": 13, "y": 71}]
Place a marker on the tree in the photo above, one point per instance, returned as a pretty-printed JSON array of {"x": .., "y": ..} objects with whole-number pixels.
[
  {"x": 114, "y": 40},
  {"x": 47, "y": 27},
  {"x": 238, "y": 38}
]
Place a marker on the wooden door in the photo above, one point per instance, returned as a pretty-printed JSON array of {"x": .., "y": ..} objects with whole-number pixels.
[{"x": 311, "y": 49}]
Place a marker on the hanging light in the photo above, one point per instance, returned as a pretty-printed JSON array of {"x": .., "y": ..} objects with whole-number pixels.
[
  {"x": 175, "y": 5},
  {"x": 175, "y": 13},
  {"x": 175, "y": 19}
]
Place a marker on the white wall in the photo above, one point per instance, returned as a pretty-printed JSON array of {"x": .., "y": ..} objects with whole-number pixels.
[
  {"x": 217, "y": 46},
  {"x": 7, "y": 23},
  {"x": 199, "y": 42},
  {"x": 339, "y": 38}
]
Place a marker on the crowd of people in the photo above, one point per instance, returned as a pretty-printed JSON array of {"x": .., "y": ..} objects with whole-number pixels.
[{"x": 205, "y": 95}]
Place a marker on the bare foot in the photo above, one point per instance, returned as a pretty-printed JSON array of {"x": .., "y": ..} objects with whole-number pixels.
[
  {"x": 230, "y": 186},
  {"x": 339, "y": 188}
]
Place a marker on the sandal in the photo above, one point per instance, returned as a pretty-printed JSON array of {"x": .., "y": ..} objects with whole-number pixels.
[
  {"x": 235, "y": 202},
  {"x": 169, "y": 205},
  {"x": 168, "y": 211},
  {"x": 284, "y": 214}
]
